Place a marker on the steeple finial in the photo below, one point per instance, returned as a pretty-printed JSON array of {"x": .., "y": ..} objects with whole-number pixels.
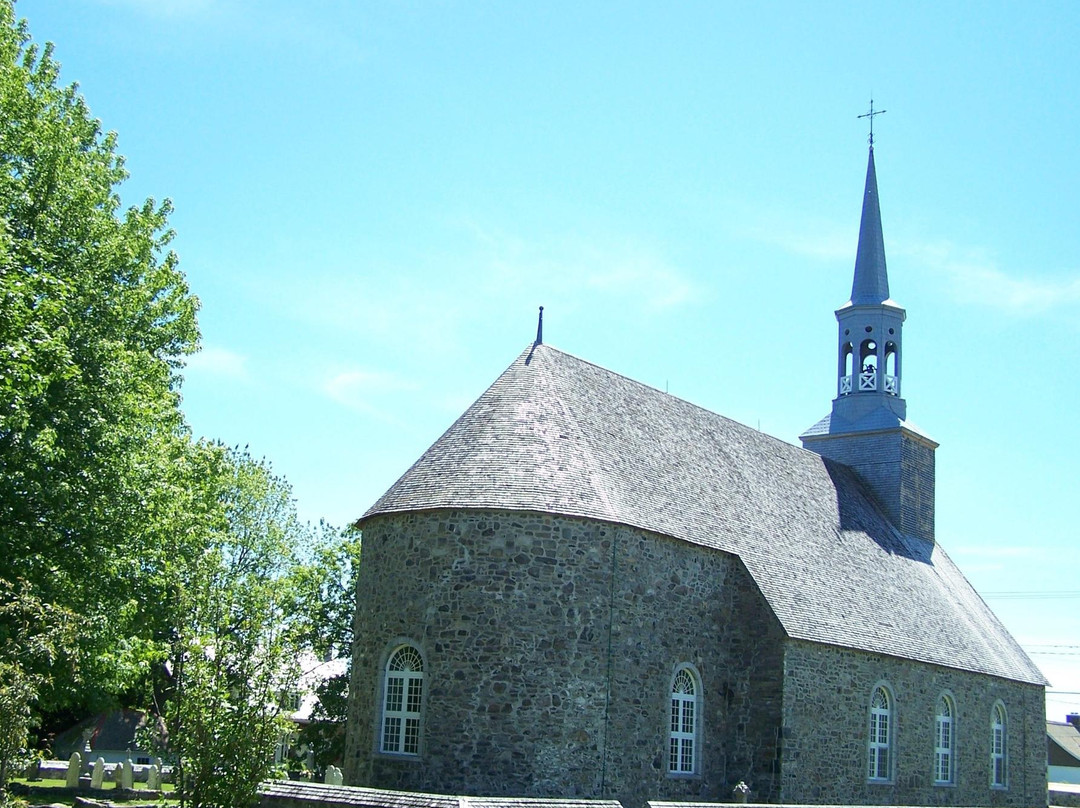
[
  {"x": 871, "y": 115},
  {"x": 540, "y": 328}
]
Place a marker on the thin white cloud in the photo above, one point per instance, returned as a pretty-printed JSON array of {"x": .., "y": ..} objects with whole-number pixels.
[
  {"x": 975, "y": 278},
  {"x": 437, "y": 303},
  {"x": 1001, "y": 552},
  {"x": 974, "y": 558},
  {"x": 360, "y": 389},
  {"x": 165, "y": 8},
  {"x": 218, "y": 362},
  {"x": 820, "y": 240},
  {"x": 654, "y": 284},
  {"x": 613, "y": 268},
  {"x": 972, "y": 276},
  {"x": 270, "y": 23}
]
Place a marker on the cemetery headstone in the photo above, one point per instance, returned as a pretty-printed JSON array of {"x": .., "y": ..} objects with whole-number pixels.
[
  {"x": 127, "y": 775},
  {"x": 98, "y": 775},
  {"x": 153, "y": 777},
  {"x": 74, "y": 768}
]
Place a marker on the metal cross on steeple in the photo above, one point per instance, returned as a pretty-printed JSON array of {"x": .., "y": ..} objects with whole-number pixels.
[{"x": 871, "y": 115}]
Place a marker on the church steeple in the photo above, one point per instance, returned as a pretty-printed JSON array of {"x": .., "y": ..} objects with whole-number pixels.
[
  {"x": 871, "y": 283},
  {"x": 871, "y": 323},
  {"x": 867, "y": 428}
]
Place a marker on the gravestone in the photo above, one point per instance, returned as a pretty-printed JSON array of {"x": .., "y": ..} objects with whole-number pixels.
[
  {"x": 153, "y": 778},
  {"x": 74, "y": 767},
  {"x": 333, "y": 776},
  {"x": 99, "y": 773},
  {"x": 127, "y": 775}
]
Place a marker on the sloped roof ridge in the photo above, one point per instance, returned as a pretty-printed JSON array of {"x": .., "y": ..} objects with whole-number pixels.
[{"x": 699, "y": 407}]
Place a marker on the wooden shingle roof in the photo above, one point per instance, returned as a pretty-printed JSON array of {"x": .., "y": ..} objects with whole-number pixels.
[{"x": 558, "y": 434}]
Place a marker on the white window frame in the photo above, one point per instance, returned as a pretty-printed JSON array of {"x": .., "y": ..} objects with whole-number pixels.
[
  {"x": 945, "y": 741},
  {"x": 881, "y": 735},
  {"x": 999, "y": 747},
  {"x": 684, "y": 722},
  {"x": 402, "y": 702}
]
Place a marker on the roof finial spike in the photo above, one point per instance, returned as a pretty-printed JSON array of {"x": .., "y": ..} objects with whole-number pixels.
[
  {"x": 540, "y": 328},
  {"x": 871, "y": 115}
]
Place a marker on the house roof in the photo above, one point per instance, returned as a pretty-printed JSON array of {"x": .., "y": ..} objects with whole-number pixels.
[
  {"x": 293, "y": 792},
  {"x": 1067, "y": 738},
  {"x": 558, "y": 434},
  {"x": 313, "y": 672},
  {"x": 111, "y": 731}
]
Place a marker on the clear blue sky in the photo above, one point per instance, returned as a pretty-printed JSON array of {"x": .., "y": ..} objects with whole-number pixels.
[{"x": 373, "y": 198}]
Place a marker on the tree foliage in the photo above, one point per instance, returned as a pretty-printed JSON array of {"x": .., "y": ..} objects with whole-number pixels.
[
  {"x": 137, "y": 566},
  {"x": 235, "y": 641},
  {"x": 34, "y": 636},
  {"x": 95, "y": 318},
  {"x": 325, "y": 588}
]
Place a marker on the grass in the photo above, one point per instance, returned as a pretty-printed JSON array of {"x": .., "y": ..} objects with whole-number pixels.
[{"x": 61, "y": 795}]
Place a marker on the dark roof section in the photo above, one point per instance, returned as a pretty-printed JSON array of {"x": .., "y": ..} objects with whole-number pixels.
[
  {"x": 555, "y": 433},
  {"x": 1066, "y": 738},
  {"x": 112, "y": 731}
]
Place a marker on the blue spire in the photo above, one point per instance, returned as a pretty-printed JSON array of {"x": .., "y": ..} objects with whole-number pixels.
[{"x": 871, "y": 285}]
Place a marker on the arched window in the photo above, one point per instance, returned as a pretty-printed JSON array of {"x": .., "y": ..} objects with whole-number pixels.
[
  {"x": 403, "y": 695},
  {"x": 999, "y": 749},
  {"x": 685, "y": 722},
  {"x": 881, "y": 735},
  {"x": 944, "y": 740}
]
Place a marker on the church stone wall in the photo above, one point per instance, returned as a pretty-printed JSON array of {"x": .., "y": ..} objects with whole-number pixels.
[
  {"x": 549, "y": 648},
  {"x": 826, "y": 725}
]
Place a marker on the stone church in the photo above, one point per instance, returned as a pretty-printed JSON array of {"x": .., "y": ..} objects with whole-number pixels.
[{"x": 590, "y": 588}]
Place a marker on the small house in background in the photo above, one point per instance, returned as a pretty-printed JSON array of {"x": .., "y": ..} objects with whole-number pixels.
[
  {"x": 110, "y": 736},
  {"x": 1063, "y": 750},
  {"x": 299, "y": 706},
  {"x": 315, "y": 671}
]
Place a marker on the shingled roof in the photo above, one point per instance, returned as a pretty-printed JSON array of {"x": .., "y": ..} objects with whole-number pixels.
[{"x": 558, "y": 434}]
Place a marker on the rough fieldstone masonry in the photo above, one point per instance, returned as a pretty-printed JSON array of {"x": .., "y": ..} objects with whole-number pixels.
[
  {"x": 549, "y": 648},
  {"x": 826, "y": 699},
  {"x": 517, "y": 707}
]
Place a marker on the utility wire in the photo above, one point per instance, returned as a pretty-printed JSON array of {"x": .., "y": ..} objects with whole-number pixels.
[{"x": 1033, "y": 594}]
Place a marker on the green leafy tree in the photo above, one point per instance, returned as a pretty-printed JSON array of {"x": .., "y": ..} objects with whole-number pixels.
[
  {"x": 133, "y": 548},
  {"x": 95, "y": 319},
  {"x": 236, "y": 640},
  {"x": 33, "y": 636},
  {"x": 325, "y": 588}
]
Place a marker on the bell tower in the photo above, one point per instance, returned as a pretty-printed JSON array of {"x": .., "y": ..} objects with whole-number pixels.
[{"x": 867, "y": 428}]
